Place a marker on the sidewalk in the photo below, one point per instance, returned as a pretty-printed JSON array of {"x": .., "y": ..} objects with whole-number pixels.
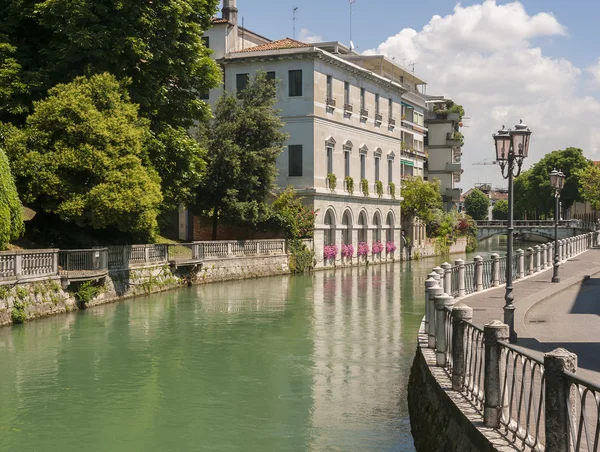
[{"x": 551, "y": 315}]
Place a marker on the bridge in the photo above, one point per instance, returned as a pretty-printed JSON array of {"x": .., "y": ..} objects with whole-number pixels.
[{"x": 534, "y": 228}]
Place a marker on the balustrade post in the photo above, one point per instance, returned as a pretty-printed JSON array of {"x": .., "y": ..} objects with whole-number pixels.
[
  {"x": 543, "y": 253},
  {"x": 447, "y": 278},
  {"x": 440, "y": 271},
  {"x": 441, "y": 347},
  {"x": 125, "y": 256},
  {"x": 563, "y": 250},
  {"x": 229, "y": 252},
  {"x": 462, "y": 286},
  {"x": 478, "y": 273},
  {"x": 495, "y": 270},
  {"x": 429, "y": 283},
  {"x": 55, "y": 262},
  {"x": 432, "y": 293},
  {"x": 570, "y": 247},
  {"x": 521, "y": 263},
  {"x": 460, "y": 313},
  {"x": 493, "y": 334},
  {"x": 597, "y": 233},
  {"x": 558, "y": 398},
  {"x": 530, "y": 270},
  {"x": 18, "y": 264},
  {"x": 146, "y": 254},
  {"x": 549, "y": 254},
  {"x": 536, "y": 249}
]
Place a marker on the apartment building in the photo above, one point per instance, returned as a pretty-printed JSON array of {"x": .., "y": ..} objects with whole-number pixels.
[{"x": 354, "y": 119}]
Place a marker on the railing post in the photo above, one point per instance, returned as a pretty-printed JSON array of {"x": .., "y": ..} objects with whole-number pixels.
[
  {"x": 521, "y": 264},
  {"x": 460, "y": 313},
  {"x": 433, "y": 292},
  {"x": 441, "y": 347},
  {"x": 495, "y": 270},
  {"x": 462, "y": 286},
  {"x": 536, "y": 250},
  {"x": 18, "y": 262},
  {"x": 478, "y": 273},
  {"x": 55, "y": 262},
  {"x": 563, "y": 250},
  {"x": 543, "y": 248},
  {"x": 558, "y": 398},
  {"x": 440, "y": 271},
  {"x": 493, "y": 333},
  {"x": 597, "y": 234},
  {"x": 229, "y": 249},
  {"x": 447, "y": 277},
  {"x": 429, "y": 283},
  {"x": 549, "y": 254},
  {"x": 146, "y": 254},
  {"x": 531, "y": 264}
]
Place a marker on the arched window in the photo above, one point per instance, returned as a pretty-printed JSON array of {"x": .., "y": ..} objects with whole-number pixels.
[
  {"x": 362, "y": 227},
  {"x": 377, "y": 224},
  {"x": 390, "y": 227},
  {"x": 347, "y": 232},
  {"x": 329, "y": 228}
]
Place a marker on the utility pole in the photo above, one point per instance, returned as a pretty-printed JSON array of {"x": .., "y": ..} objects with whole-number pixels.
[{"x": 294, "y": 22}]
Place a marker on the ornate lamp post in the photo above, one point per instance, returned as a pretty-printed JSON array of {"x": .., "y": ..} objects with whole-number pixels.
[
  {"x": 512, "y": 147},
  {"x": 557, "y": 181}
]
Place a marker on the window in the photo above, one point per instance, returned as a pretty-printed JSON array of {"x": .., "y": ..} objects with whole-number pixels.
[
  {"x": 329, "y": 87},
  {"x": 241, "y": 82},
  {"x": 206, "y": 41},
  {"x": 362, "y": 98},
  {"x": 271, "y": 75},
  {"x": 390, "y": 108},
  {"x": 376, "y": 169},
  {"x": 295, "y": 80},
  {"x": 376, "y": 104},
  {"x": 346, "y": 163},
  {"x": 347, "y": 93},
  {"x": 390, "y": 171},
  {"x": 329, "y": 160},
  {"x": 363, "y": 166},
  {"x": 295, "y": 160}
]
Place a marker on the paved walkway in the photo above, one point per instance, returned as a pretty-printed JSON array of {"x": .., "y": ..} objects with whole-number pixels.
[{"x": 550, "y": 315}]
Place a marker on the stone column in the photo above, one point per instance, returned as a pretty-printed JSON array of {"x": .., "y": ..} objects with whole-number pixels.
[
  {"x": 493, "y": 333},
  {"x": 597, "y": 234},
  {"x": 495, "y": 270},
  {"x": 521, "y": 264},
  {"x": 558, "y": 398},
  {"x": 536, "y": 254},
  {"x": 429, "y": 283},
  {"x": 370, "y": 234},
  {"x": 441, "y": 346},
  {"x": 460, "y": 312},
  {"x": 461, "y": 277},
  {"x": 432, "y": 293},
  {"x": 531, "y": 265},
  {"x": 338, "y": 242},
  {"x": 447, "y": 278},
  {"x": 550, "y": 257},
  {"x": 440, "y": 271},
  {"x": 543, "y": 256},
  {"x": 478, "y": 273}
]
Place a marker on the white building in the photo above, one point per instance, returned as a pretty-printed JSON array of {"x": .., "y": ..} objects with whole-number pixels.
[{"x": 353, "y": 116}]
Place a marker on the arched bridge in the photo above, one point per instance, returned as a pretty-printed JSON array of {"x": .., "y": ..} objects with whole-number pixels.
[{"x": 540, "y": 228}]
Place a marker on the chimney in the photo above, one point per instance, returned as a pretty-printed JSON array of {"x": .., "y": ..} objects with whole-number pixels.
[{"x": 229, "y": 11}]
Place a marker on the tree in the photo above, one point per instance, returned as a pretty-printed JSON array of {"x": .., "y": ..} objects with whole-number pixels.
[
  {"x": 11, "y": 210},
  {"x": 291, "y": 216},
  {"x": 590, "y": 185},
  {"x": 500, "y": 210},
  {"x": 477, "y": 204},
  {"x": 11, "y": 85},
  {"x": 421, "y": 198},
  {"x": 81, "y": 157},
  {"x": 244, "y": 141}
]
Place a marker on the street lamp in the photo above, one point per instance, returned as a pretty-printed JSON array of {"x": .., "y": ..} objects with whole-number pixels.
[
  {"x": 512, "y": 147},
  {"x": 557, "y": 181}
]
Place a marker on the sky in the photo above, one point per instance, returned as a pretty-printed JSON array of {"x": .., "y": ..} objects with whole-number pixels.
[{"x": 536, "y": 60}]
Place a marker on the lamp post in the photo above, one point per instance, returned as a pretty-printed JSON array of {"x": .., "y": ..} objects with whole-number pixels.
[
  {"x": 557, "y": 181},
  {"x": 512, "y": 147}
]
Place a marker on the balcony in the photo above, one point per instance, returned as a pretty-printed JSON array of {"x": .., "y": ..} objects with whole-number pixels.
[
  {"x": 348, "y": 108},
  {"x": 453, "y": 140},
  {"x": 364, "y": 113},
  {"x": 378, "y": 118},
  {"x": 331, "y": 102},
  {"x": 453, "y": 167},
  {"x": 453, "y": 194},
  {"x": 392, "y": 122}
]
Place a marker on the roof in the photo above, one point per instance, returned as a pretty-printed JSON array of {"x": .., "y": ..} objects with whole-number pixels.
[
  {"x": 287, "y": 43},
  {"x": 218, "y": 20}
]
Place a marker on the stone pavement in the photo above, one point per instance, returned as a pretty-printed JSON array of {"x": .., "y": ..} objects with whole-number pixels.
[{"x": 551, "y": 315}]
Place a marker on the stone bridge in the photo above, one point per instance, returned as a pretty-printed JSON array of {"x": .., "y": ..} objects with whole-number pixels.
[{"x": 534, "y": 228}]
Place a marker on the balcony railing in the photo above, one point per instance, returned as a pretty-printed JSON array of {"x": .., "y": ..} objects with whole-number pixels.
[
  {"x": 348, "y": 108},
  {"x": 331, "y": 102},
  {"x": 378, "y": 118},
  {"x": 364, "y": 113},
  {"x": 392, "y": 122}
]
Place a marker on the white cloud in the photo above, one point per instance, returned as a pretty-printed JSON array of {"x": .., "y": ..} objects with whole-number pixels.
[
  {"x": 308, "y": 37},
  {"x": 594, "y": 70},
  {"x": 481, "y": 56}
]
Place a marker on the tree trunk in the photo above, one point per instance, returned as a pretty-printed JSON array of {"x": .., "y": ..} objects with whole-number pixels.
[{"x": 215, "y": 222}]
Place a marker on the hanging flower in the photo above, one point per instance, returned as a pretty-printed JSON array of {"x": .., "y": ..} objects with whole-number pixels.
[
  {"x": 330, "y": 252},
  {"x": 363, "y": 249},
  {"x": 377, "y": 247},
  {"x": 390, "y": 247},
  {"x": 347, "y": 250}
]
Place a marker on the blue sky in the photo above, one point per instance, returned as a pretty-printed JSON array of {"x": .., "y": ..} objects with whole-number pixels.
[{"x": 502, "y": 60}]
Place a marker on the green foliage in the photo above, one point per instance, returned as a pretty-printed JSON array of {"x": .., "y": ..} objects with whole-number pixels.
[
  {"x": 590, "y": 185},
  {"x": 244, "y": 142},
  {"x": 301, "y": 257},
  {"x": 533, "y": 194},
  {"x": 81, "y": 157},
  {"x": 392, "y": 189},
  {"x": 18, "y": 314},
  {"x": 86, "y": 292},
  {"x": 364, "y": 185},
  {"x": 477, "y": 204},
  {"x": 21, "y": 292},
  {"x": 500, "y": 210},
  {"x": 332, "y": 181},
  {"x": 291, "y": 216},
  {"x": 379, "y": 187},
  {"x": 11, "y": 85},
  {"x": 349, "y": 184},
  {"x": 11, "y": 210},
  {"x": 3, "y": 293},
  {"x": 421, "y": 198}
]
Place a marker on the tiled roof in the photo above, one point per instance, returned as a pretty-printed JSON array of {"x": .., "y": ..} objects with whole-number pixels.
[
  {"x": 218, "y": 20},
  {"x": 282, "y": 44}
]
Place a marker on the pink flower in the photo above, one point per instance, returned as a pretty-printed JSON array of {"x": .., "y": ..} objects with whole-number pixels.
[
  {"x": 390, "y": 247},
  {"x": 330, "y": 251},
  {"x": 377, "y": 247},
  {"x": 363, "y": 249},
  {"x": 347, "y": 250}
]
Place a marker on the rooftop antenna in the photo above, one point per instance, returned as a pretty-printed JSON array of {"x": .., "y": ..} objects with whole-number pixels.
[
  {"x": 294, "y": 21},
  {"x": 412, "y": 65},
  {"x": 350, "y": 2}
]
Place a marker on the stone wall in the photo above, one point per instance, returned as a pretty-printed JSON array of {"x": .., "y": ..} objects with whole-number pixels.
[
  {"x": 427, "y": 249},
  {"x": 241, "y": 268}
]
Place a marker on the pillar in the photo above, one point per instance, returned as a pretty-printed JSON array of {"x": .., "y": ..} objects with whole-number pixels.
[
  {"x": 441, "y": 346},
  {"x": 460, "y": 313},
  {"x": 494, "y": 333}
]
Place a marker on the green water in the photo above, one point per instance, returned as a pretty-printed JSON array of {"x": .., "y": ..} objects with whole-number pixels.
[{"x": 291, "y": 363}]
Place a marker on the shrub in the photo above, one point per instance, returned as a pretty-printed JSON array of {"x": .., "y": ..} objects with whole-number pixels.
[
  {"x": 392, "y": 189},
  {"x": 87, "y": 292},
  {"x": 332, "y": 180},
  {"x": 379, "y": 186},
  {"x": 349, "y": 184},
  {"x": 364, "y": 185},
  {"x": 18, "y": 314},
  {"x": 301, "y": 257}
]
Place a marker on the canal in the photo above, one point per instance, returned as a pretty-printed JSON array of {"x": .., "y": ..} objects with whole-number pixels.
[{"x": 292, "y": 363}]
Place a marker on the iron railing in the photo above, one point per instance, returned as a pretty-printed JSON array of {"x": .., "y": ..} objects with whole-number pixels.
[
  {"x": 454, "y": 272},
  {"x": 487, "y": 275},
  {"x": 87, "y": 263},
  {"x": 470, "y": 282},
  {"x": 584, "y": 419},
  {"x": 474, "y": 353}
]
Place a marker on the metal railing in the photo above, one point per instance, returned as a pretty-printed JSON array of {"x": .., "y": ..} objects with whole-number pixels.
[
  {"x": 473, "y": 364},
  {"x": 454, "y": 272},
  {"x": 487, "y": 274},
  {"x": 83, "y": 263},
  {"x": 584, "y": 413},
  {"x": 470, "y": 281}
]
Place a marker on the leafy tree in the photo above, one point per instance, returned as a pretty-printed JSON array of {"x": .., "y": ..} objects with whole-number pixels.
[
  {"x": 421, "y": 198},
  {"x": 590, "y": 185},
  {"x": 11, "y": 84},
  {"x": 500, "y": 210},
  {"x": 80, "y": 157},
  {"x": 524, "y": 200},
  {"x": 244, "y": 141},
  {"x": 477, "y": 204},
  {"x": 11, "y": 210}
]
